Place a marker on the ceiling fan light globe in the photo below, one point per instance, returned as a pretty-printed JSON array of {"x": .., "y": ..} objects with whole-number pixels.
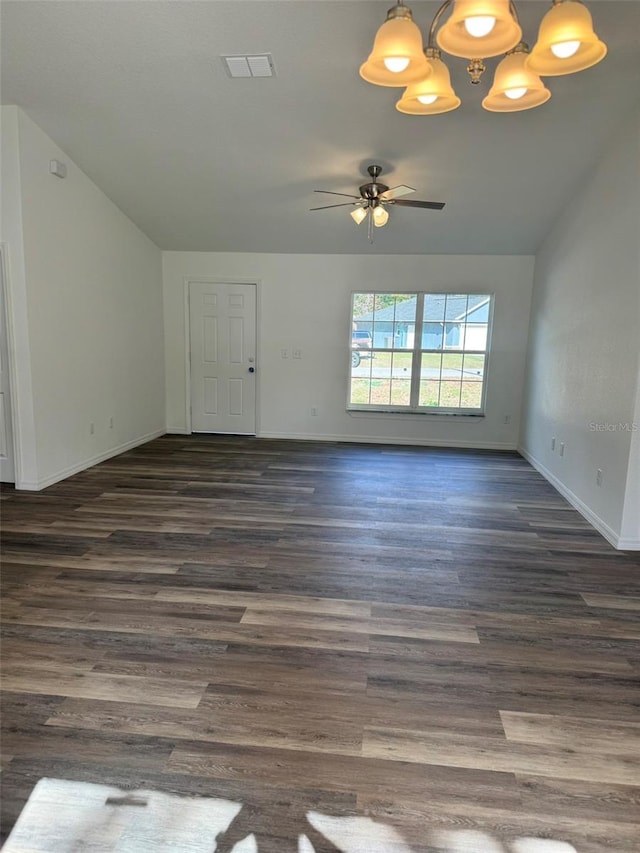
[
  {"x": 398, "y": 39},
  {"x": 565, "y": 49},
  {"x": 565, "y": 24},
  {"x": 358, "y": 215},
  {"x": 380, "y": 216},
  {"x": 479, "y": 26},
  {"x": 461, "y": 34},
  {"x": 515, "y": 87}
]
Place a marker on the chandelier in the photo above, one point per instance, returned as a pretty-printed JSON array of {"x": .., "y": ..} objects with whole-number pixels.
[{"x": 476, "y": 30}]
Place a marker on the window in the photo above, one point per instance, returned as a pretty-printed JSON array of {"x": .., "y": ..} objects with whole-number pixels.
[{"x": 419, "y": 352}]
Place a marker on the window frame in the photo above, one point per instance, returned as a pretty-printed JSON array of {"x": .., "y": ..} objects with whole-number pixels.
[{"x": 416, "y": 357}]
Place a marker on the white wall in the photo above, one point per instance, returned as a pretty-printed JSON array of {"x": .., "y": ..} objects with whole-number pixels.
[
  {"x": 582, "y": 378},
  {"x": 304, "y": 303},
  {"x": 93, "y": 336},
  {"x": 11, "y": 237}
]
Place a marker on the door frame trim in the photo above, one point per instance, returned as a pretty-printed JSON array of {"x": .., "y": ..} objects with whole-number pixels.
[{"x": 208, "y": 279}]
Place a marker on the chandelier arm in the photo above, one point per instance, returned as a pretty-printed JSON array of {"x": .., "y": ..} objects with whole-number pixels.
[{"x": 436, "y": 21}]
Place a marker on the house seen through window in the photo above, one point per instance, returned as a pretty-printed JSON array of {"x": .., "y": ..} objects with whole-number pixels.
[{"x": 419, "y": 352}]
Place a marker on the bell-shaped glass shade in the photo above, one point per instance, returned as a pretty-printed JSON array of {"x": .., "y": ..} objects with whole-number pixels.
[
  {"x": 565, "y": 25},
  {"x": 358, "y": 214},
  {"x": 515, "y": 87},
  {"x": 380, "y": 216},
  {"x": 398, "y": 44},
  {"x": 455, "y": 36},
  {"x": 432, "y": 95}
]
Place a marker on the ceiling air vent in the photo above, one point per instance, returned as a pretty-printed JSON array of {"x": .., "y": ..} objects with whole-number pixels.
[{"x": 257, "y": 65}]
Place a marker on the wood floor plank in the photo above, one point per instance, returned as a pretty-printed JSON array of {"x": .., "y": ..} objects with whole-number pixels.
[
  {"x": 616, "y": 602},
  {"x": 455, "y": 750},
  {"x": 606, "y": 737},
  {"x": 104, "y": 686}
]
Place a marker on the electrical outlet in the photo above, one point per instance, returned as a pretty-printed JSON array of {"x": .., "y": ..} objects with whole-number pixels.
[
  {"x": 562, "y": 448},
  {"x": 284, "y": 353},
  {"x": 553, "y": 443},
  {"x": 599, "y": 477},
  {"x": 297, "y": 353},
  {"x": 507, "y": 419},
  {"x": 92, "y": 428},
  {"x": 314, "y": 411},
  {"x": 111, "y": 423}
]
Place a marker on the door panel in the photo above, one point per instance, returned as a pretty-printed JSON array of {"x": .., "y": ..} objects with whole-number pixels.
[{"x": 223, "y": 353}]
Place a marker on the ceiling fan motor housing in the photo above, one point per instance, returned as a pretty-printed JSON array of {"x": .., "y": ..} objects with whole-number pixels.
[{"x": 374, "y": 189}]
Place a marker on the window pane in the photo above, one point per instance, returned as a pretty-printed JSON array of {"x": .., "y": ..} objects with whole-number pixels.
[
  {"x": 362, "y": 304},
  {"x": 452, "y": 367},
  {"x": 401, "y": 379},
  {"x": 432, "y": 335},
  {"x": 473, "y": 369},
  {"x": 381, "y": 301},
  {"x": 450, "y": 394},
  {"x": 400, "y": 392},
  {"x": 456, "y": 307},
  {"x": 404, "y": 335},
  {"x": 382, "y": 364},
  {"x": 381, "y": 392},
  {"x": 359, "y": 392},
  {"x": 434, "y": 307},
  {"x": 402, "y": 365},
  {"x": 476, "y": 336},
  {"x": 431, "y": 364},
  {"x": 471, "y": 397},
  {"x": 478, "y": 310},
  {"x": 383, "y": 334},
  {"x": 429, "y": 392},
  {"x": 453, "y": 335}
]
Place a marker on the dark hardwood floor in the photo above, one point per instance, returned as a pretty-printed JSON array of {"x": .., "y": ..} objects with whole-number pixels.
[{"x": 431, "y": 639}]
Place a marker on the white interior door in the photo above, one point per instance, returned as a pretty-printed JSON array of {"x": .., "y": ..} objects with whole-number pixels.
[
  {"x": 223, "y": 357},
  {"x": 7, "y": 469}
]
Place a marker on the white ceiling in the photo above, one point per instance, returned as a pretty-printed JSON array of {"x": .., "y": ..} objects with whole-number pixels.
[{"x": 136, "y": 93}]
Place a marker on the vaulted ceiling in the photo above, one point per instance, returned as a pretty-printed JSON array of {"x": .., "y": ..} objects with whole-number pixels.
[{"x": 136, "y": 93}]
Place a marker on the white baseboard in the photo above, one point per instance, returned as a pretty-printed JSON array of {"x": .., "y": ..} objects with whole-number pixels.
[
  {"x": 386, "y": 439},
  {"x": 177, "y": 431},
  {"x": 586, "y": 512},
  {"x": 26, "y": 485},
  {"x": 628, "y": 544}
]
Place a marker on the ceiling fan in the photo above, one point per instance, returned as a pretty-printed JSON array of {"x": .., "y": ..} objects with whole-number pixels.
[{"x": 374, "y": 198}]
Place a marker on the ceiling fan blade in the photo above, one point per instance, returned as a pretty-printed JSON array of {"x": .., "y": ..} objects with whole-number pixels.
[
  {"x": 327, "y": 206},
  {"x": 330, "y": 192},
  {"x": 395, "y": 192},
  {"x": 431, "y": 205}
]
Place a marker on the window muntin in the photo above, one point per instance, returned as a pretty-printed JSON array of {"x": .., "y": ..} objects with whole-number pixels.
[{"x": 428, "y": 352}]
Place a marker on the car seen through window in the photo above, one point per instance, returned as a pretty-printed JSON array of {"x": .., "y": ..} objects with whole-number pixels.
[{"x": 361, "y": 342}]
